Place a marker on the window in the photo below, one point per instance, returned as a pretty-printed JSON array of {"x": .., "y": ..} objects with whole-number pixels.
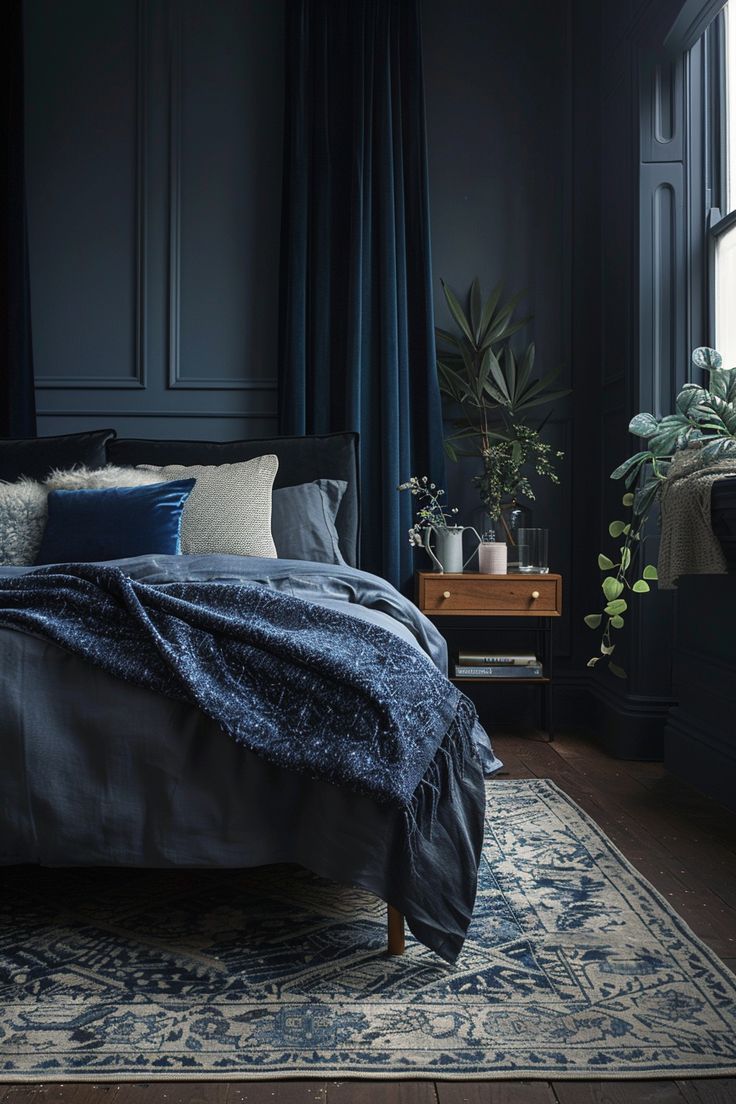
[{"x": 723, "y": 225}]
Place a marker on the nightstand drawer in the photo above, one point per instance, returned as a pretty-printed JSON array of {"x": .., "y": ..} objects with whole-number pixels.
[{"x": 502, "y": 595}]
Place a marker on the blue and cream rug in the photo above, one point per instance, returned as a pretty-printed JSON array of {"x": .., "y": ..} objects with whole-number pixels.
[{"x": 574, "y": 967}]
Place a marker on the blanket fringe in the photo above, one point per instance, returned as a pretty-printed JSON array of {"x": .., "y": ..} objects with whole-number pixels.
[{"x": 441, "y": 777}]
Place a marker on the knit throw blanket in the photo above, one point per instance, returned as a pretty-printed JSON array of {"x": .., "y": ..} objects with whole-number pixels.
[
  {"x": 307, "y": 688},
  {"x": 688, "y": 545}
]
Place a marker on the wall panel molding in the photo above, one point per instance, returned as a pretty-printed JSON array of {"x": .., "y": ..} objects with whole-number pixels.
[
  {"x": 662, "y": 100},
  {"x": 137, "y": 379},
  {"x": 663, "y": 299},
  {"x": 106, "y": 413},
  {"x": 176, "y": 379}
]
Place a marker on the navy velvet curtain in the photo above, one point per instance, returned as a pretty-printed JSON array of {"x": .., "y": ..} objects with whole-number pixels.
[
  {"x": 357, "y": 328},
  {"x": 17, "y": 404}
]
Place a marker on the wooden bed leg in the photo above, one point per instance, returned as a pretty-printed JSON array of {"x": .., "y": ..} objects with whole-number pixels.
[{"x": 396, "y": 941}]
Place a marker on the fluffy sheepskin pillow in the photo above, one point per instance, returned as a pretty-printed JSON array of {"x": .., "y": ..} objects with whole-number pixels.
[
  {"x": 99, "y": 479},
  {"x": 22, "y": 521}
]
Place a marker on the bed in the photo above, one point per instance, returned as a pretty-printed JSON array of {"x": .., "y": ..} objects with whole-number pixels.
[{"x": 97, "y": 771}]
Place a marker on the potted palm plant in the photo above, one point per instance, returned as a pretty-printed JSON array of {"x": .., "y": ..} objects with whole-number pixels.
[{"x": 490, "y": 391}]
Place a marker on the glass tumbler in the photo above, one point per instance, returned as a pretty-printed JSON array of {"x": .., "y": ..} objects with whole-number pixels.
[{"x": 534, "y": 551}]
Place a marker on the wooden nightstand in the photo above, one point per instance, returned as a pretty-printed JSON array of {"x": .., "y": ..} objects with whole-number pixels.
[{"x": 469, "y": 601}]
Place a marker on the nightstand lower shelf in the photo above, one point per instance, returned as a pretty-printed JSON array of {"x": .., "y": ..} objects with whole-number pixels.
[{"x": 506, "y": 681}]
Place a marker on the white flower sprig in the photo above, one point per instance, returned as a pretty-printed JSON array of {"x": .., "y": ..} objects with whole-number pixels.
[{"x": 432, "y": 512}]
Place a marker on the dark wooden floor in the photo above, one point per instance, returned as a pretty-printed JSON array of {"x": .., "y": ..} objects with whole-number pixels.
[{"x": 684, "y": 844}]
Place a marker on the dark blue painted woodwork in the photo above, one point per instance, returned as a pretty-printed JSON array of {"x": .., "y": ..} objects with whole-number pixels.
[
  {"x": 154, "y": 163},
  {"x": 699, "y": 744}
]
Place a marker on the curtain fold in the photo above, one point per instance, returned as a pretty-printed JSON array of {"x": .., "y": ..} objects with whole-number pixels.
[
  {"x": 17, "y": 402},
  {"x": 356, "y": 316}
]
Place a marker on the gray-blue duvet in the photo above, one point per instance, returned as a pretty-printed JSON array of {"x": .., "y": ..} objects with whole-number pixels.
[{"x": 93, "y": 770}]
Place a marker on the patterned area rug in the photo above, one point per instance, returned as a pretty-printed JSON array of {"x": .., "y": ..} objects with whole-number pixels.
[{"x": 574, "y": 967}]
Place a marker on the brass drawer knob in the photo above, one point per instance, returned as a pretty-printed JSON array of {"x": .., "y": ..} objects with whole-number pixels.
[
  {"x": 445, "y": 594},
  {"x": 535, "y": 594}
]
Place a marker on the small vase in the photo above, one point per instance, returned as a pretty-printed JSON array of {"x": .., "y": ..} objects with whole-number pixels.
[
  {"x": 449, "y": 555},
  {"x": 514, "y": 516}
]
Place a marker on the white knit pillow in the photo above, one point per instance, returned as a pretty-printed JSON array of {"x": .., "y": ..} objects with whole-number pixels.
[
  {"x": 229, "y": 508},
  {"x": 22, "y": 521}
]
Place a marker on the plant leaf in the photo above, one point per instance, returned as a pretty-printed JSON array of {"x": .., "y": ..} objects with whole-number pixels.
[
  {"x": 650, "y": 572},
  {"x": 643, "y": 425},
  {"x": 641, "y": 587},
  {"x": 527, "y": 367},
  {"x": 716, "y": 449},
  {"x": 454, "y": 383},
  {"x": 445, "y": 335},
  {"x": 618, "y": 605},
  {"x": 616, "y": 670},
  {"x": 497, "y": 374},
  {"x": 496, "y": 334},
  {"x": 489, "y": 308},
  {"x": 604, "y": 563},
  {"x": 645, "y": 496},
  {"x": 509, "y": 365},
  {"x": 689, "y": 397},
  {"x": 611, "y": 587},
  {"x": 617, "y": 622},
  {"x": 592, "y": 662},
  {"x": 495, "y": 394},
  {"x": 457, "y": 312},
  {"x": 475, "y": 308},
  {"x": 625, "y": 557},
  {"x": 607, "y": 649},
  {"x": 593, "y": 620},
  {"x": 706, "y": 358},
  {"x": 628, "y": 499},
  {"x": 616, "y": 528},
  {"x": 551, "y": 396},
  {"x": 633, "y": 462}
]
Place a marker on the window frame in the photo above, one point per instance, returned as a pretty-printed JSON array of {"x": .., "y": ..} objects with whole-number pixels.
[{"x": 716, "y": 159}]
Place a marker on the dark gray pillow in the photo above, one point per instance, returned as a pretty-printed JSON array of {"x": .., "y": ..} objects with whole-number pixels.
[
  {"x": 303, "y": 521},
  {"x": 35, "y": 457}
]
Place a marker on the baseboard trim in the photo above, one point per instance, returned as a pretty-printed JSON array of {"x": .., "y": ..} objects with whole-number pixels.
[
  {"x": 701, "y": 757},
  {"x": 627, "y": 726}
]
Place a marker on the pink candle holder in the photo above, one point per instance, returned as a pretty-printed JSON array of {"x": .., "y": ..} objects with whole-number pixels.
[{"x": 492, "y": 558}]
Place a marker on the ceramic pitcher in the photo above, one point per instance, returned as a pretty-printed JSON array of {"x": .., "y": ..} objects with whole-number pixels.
[{"x": 449, "y": 554}]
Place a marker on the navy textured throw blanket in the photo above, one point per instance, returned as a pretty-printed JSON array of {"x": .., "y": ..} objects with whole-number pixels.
[{"x": 308, "y": 688}]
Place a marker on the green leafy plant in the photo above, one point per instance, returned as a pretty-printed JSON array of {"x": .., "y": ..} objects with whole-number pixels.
[
  {"x": 704, "y": 418},
  {"x": 504, "y": 464},
  {"x": 491, "y": 390}
]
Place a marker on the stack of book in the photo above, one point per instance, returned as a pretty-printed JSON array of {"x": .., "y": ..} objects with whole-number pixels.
[{"x": 496, "y": 665}]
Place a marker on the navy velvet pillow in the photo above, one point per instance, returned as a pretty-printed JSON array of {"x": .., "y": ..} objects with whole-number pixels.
[{"x": 111, "y": 525}]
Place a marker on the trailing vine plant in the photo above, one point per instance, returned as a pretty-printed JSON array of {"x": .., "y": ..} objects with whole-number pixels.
[{"x": 705, "y": 419}]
